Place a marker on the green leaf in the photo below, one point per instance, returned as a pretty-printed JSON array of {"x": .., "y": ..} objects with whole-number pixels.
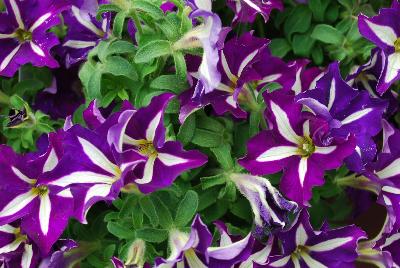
[
  {"x": 152, "y": 235},
  {"x": 117, "y": 65},
  {"x": 298, "y": 21},
  {"x": 318, "y": 8},
  {"x": 228, "y": 192},
  {"x": 279, "y": 47},
  {"x": 303, "y": 44},
  {"x": 121, "y": 47},
  {"x": 148, "y": 8},
  {"x": 153, "y": 49},
  {"x": 93, "y": 89},
  {"x": 224, "y": 156},
  {"x": 317, "y": 55},
  {"x": 170, "y": 82},
  {"x": 106, "y": 8},
  {"x": 186, "y": 130},
  {"x": 211, "y": 181},
  {"x": 207, "y": 138},
  {"x": 180, "y": 64},
  {"x": 149, "y": 209},
  {"x": 118, "y": 25},
  {"x": 186, "y": 208},
  {"x": 327, "y": 34},
  {"x": 163, "y": 213},
  {"x": 120, "y": 230}
]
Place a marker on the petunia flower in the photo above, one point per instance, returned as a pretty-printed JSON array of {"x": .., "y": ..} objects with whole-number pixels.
[
  {"x": 383, "y": 30},
  {"x": 189, "y": 248},
  {"x": 27, "y": 194},
  {"x": 294, "y": 145},
  {"x": 91, "y": 168},
  {"x": 205, "y": 35},
  {"x": 143, "y": 131},
  {"x": 246, "y": 10},
  {"x": 23, "y": 33},
  {"x": 84, "y": 30},
  {"x": 366, "y": 77},
  {"x": 302, "y": 246},
  {"x": 270, "y": 208},
  {"x": 347, "y": 111}
]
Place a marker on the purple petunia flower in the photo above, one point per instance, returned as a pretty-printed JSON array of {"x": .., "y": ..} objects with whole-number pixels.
[
  {"x": 302, "y": 246},
  {"x": 84, "y": 30},
  {"x": 246, "y": 10},
  {"x": 143, "y": 131},
  {"x": 384, "y": 31},
  {"x": 295, "y": 144},
  {"x": 28, "y": 194},
  {"x": 23, "y": 33},
  {"x": 347, "y": 111}
]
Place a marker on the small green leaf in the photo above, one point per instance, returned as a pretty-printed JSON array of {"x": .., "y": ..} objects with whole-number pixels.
[
  {"x": 93, "y": 89},
  {"x": 303, "y": 44},
  {"x": 318, "y": 8},
  {"x": 279, "y": 47},
  {"x": 118, "y": 25},
  {"x": 148, "y": 8},
  {"x": 207, "y": 138},
  {"x": 211, "y": 181},
  {"x": 163, "y": 213},
  {"x": 120, "y": 230},
  {"x": 152, "y": 235},
  {"x": 186, "y": 130},
  {"x": 170, "y": 82},
  {"x": 180, "y": 64},
  {"x": 117, "y": 65},
  {"x": 327, "y": 34},
  {"x": 106, "y": 8},
  {"x": 153, "y": 49},
  {"x": 149, "y": 209},
  {"x": 299, "y": 20},
  {"x": 186, "y": 208},
  {"x": 224, "y": 156}
]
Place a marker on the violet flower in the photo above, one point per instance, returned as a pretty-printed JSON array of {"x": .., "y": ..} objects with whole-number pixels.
[
  {"x": 294, "y": 145},
  {"x": 84, "y": 30},
  {"x": 143, "y": 131},
  {"x": 347, "y": 111},
  {"x": 23, "y": 33},
  {"x": 246, "y": 10},
  {"x": 28, "y": 194},
  {"x": 385, "y": 33},
  {"x": 302, "y": 246}
]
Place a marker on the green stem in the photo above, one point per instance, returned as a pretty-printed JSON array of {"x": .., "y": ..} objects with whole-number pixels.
[{"x": 359, "y": 182}]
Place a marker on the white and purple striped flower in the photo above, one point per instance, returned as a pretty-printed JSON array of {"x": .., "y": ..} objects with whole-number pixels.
[
  {"x": 143, "y": 131},
  {"x": 23, "y": 33},
  {"x": 246, "y": 10},
  {"x": 294, "y": 145}
]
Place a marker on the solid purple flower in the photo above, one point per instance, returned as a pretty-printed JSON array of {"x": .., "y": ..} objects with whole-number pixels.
[
  {"x": 84, "y": 30},
  {"x": 347, "y": 111},
  {"x": 295, "y": 145},
  {"x": 143, "y": 131},
  {"x": 384, "y": 30},
  {"x": 23, "y": 33},
  {"x": 246, "y": 10},
  {"x": 302, "y": 246}
]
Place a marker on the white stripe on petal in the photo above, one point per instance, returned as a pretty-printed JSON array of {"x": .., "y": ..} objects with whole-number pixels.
[
  {"x": 37, "y": 49},
  {"x": 390, "y": 189},
  {"x": 10, "y": 247},
  {"x": 17, "y": 204},
  {"x": 100, "y": 190},
  {"x": 297, "y": 87},
  {"x": 332, "y": 94},
  {"x": 39, "y": 21},
  {"x": 385, "y": 33},
  {"x": 26, "y": 259},
  {"x": 393, "y": 169},
  {"x": 306, "y": 128},
  {"x": 226, "y": 68},
  {"x": 171, "y": 160},
  {"x": 330, "y": 244},
  {"x": 301, "y": 236},
  {"x": 66, "y": 193},
  {"x": 17, "y": 14},
  {"x": 296, "y": 262},
  {"x": 78, "y": 44},
  {"x": 44, "y": 213},
  {"x": 393, "y": 66},
  {"x": 283, "y": 123},
  {"x": 311, "y": 262},
  {"x": 193, "y": 260},
  {"x": 252, "y": 5},
  {"x": 269, "y": 78},
  {"x": 225, "y": 88},
  {"x": 21, "y": 176},
  {"x": 302, "y": 170},
  {"x": 281, "y": 262},
  {"x": 325, "y": 150},
  {"x": 355, "y": 116},
  {"x": 5, "y": 36},
  {"x": 85, "y": 23},
  {"x": 6, "y": 228},
  {"x": 9, "y": 57},
  {"x": 51, "y": 161},
  {"x": 97, "y": 156},
  {"x": 83, "y": 177},
  {"x": 229, "y": 251},
  {"x": 148, "y": 171},
  {"x": 277, "y": 153},
  {"x": 231, "y": 101},
  {"x": 151, "y": 129},
  {"x": 246, "y": 61}
]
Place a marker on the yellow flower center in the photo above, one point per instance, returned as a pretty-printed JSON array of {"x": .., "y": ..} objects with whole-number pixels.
[
  {"x": 147, "y": 149},
  {"x": 299, "y": 250},
  {"x": 397, "y": 45},
  {"x": 306, "y": 147},
  {"x": 23, "y": 35},
  {"x": 40, "y": 190}
]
